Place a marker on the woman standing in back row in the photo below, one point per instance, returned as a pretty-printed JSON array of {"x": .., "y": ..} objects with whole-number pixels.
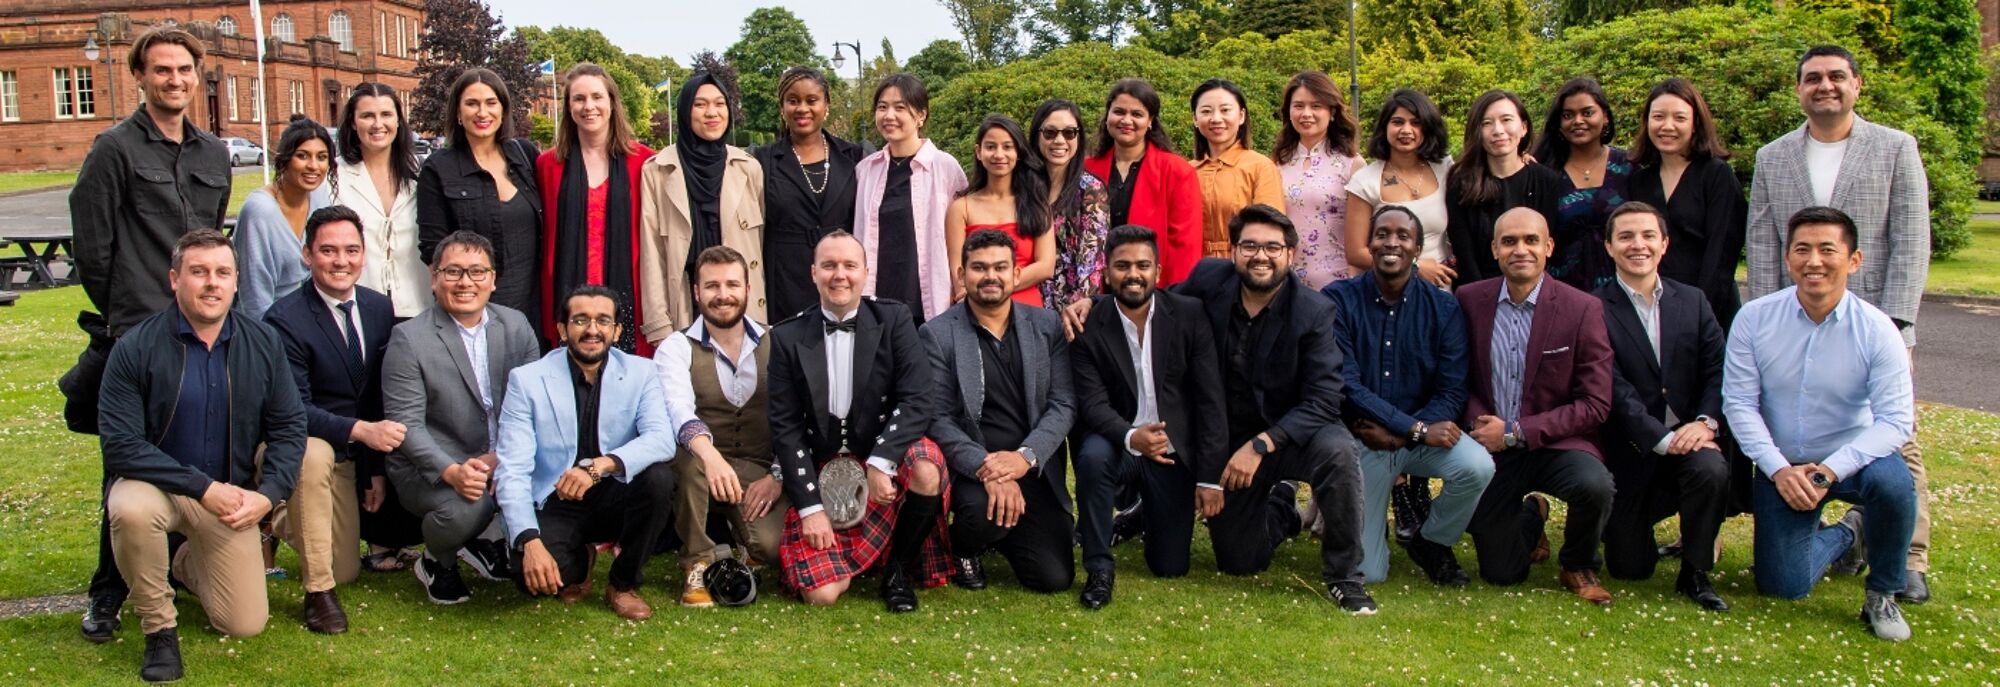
[
  {"x": 808, "y": 190},
  {"x": 377, "y": 178},
  {"x": 484, "y": 182},
  {"x": 1491, "y": 179},
  {"x": 1007, "y": 194},
  {"x": 1232, "y": 176},
  {"x": 1411, "y": 152},
  {"x": 590, "y": 185},
  {"x": 902, "y": 195},
  {"x": 1576, "y": 143},
  {"x": 1684, "y": 171},
  {"x": 1315, "y": 158},
  {"x": 1077, "y": 205},
  {"x": 1149, "y": 185},
  {"x": 700, "y": 192}
]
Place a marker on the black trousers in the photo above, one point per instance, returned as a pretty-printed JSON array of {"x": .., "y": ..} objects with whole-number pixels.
[
  {"x": 1247, "y": 532},
  {"x": 632, "y": 514},
  {"x": 106, "y": 581},
  {"x": 1038, "y": 546},
  {"x": 1102, "y": 471},
  {"x": 1505, "y": 529},
  {"x": 1695, "y": 486}
]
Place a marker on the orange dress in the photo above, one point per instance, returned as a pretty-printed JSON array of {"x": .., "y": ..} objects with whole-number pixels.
[{"x": 1024, "y": 255}]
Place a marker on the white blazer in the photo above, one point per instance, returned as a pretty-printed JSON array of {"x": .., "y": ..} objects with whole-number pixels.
[{"x": 394, "y": 267}]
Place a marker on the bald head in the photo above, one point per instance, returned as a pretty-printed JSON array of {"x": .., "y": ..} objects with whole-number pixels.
[
  {"x": 1521, "y": 244},
  {"x": 839, "y": 271}
]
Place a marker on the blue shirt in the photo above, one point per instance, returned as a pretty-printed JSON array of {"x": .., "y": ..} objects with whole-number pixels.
[
  {"x": 198, "y": 433},
  {"x": 1405, "y": 362},
  {"x": 1512, "y": 322},
  {"x": 1836, "y": 392}
]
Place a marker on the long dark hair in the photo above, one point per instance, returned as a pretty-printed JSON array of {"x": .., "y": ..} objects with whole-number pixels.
[
  {"x": 481, "y": 75},
  {"x": 620, "y": 140},
  {"x": 1469, "y": 175},
  {"x": 1703, "y": 143},
  {"x": 1069, "y": 189},
  {"x": 1140, "y": 90},
  {"x": 297, "y": 133},
  {"x": 1429, "y": 120},
  {"x": 1194, "y": 103},
  {"x": 1031, "y": 192},
  {"x": 1342, "y": 131},
  {"x": 402, "y": 152},
  {"x": 1553, "y": 149}
]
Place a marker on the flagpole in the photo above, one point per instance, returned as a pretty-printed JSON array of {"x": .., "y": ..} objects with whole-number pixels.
[{"x": 263, "y": 129}]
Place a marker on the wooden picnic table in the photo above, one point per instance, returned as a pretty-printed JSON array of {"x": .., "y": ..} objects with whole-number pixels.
[{"x": 39, "y": 250}]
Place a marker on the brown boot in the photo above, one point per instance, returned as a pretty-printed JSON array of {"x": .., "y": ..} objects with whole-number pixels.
[
  {"x": 323, "y": 614},
  {"x": 1541, "y": 505},
  {"x": 626, "y": 603},
  {"x": 1584, "y": 584}
]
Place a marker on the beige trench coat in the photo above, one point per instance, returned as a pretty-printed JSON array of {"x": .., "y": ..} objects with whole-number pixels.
[{"x": 666, "y": 232}]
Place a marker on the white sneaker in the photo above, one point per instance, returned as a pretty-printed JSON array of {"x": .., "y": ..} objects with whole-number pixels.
[{"x": 1884, "y": 617}]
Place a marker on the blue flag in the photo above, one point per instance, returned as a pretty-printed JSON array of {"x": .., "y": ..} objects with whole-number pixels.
[{"x": 547, "y": 66}]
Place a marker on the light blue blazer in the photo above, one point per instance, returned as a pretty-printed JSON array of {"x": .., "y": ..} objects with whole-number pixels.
[{"x": 538, "y": 429}]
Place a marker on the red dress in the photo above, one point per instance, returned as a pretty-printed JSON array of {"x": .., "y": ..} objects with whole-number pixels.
[{"x": 1024, "y": 255}]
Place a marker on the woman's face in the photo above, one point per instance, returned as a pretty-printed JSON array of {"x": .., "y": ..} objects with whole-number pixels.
[
  {"x": 590, "y": 105},
  {"x": 895, "y": 118},
  {"x": 1309, "y": 116},
  {"x": 1583, "y": 121},
  {"x": 804, "y": 107},
  {"x": 1128, "y": 121},
  {"x": 1501, "y": 129},
  {"x": 1217, "y": 117},
  {"x": 1406, "y": 132},
  {"x": 306, "y": 169},
  {"x": 375, "y": 123},
  {"x": 480, "y": 112},
  {"x": 1670, "y": 124},
  {"x": 997, "y": 153},
  {"x": 710, "y": 115},
  {"x": 1059, "y": 138}
]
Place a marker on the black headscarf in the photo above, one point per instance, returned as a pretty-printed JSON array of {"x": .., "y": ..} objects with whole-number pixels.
[
  {"x": 572, "y": 242},
  {"x": 702, "y": 163}
]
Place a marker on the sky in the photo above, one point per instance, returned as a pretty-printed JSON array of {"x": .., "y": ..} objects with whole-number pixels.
[{"x": 679, "y": 28}]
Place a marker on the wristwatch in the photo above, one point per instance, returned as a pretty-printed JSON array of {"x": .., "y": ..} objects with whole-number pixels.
[
  {"x": 1713, "y": 426},
  {"x": 1029, "y": 453},
  {"x": 589, "y": 467},
  {"x": 1417, "y": 432},
  {"x": 1258, "y": 444},
  {"x": 1819, "y": 479},
  {"x": 1511, "y": 440}
]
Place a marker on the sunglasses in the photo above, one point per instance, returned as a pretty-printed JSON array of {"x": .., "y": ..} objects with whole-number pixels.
[{"x": 1068, "y": 134}]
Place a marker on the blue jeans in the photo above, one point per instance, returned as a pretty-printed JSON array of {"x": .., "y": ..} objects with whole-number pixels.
[
  {"x": 1465, "y": 469},
  {"x": 1793, "y": 551}
]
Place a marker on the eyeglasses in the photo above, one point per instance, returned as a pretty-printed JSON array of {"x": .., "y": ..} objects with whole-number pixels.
[
  {"x": 585, "y": 321},
  {"x": 477, "y": 274},
  {"x": 1068, "y": 134},
  {"x": 1251, "y": 250}
]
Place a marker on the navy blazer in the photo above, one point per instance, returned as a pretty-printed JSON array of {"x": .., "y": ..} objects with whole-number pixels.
[
  {"x": 335, "y": 395},
  {"x": 1685, "y": 376}
]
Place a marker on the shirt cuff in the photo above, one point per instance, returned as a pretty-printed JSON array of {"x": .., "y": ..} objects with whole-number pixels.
[
  {"x": 1772, "y": 464},
  {"x": 692, "y": 429},
  {"x": 1205, "y": 485},
  {"x": 809, "y": 510},
  {"x": 888, "y": 467},
  {"x": 621, "y": 464},
  {"x": 1845, "y": 462},
  {"x": 1128, "y": 441},
  {"x": 1278, "y": 437},
  {"x": 1661, "y": 448},
  {"x": 527, "y": 535}
]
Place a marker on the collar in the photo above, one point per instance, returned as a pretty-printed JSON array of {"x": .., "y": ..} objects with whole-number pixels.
[
  {"x": 1659, "y": 289},
  {"x": 1533, "y": 295},
  {"x": 752, "y": 332},
  {"x": 485, "y": 318},
  {"x": 1375, "y": 286},
  {"x": 1838, "y": 312},
  {"x": 1230, "y": 158},
  {"x": 576, "y": 375},
  {"x": 334, "y": 303},
  {"x": 851, "y": 314},
  {"x": 185, "y": 329},
  {"x": 153, "y": 133},
  {"x": 1152, "y": 306}
]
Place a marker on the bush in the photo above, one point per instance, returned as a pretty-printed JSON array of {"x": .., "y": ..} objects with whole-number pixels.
[{"x": 542, "y": 131}]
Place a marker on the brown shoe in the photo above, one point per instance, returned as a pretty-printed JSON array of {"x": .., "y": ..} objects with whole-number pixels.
[
  {"x": 626, "y": 603},
  {"x": 695, "y": 593},
  {"x": 1584, "y": 583},
  {"x": 1541, "y": 505},
  {"x": 574, "y": 593},
  {"x": 323, "y": 614}
]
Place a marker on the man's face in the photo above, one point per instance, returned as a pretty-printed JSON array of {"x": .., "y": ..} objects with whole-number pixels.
[
  {"x": 1393, "y": 244},
  {"x": 1521, "y": 245},
  {"x": 1131, "y": 272},
  {"x": 591, "y": 327},
  {"x": 336, "y": 257},
  {"x": 1820, "y": 260},
  {"x": 988, "y": 276},
  {"x": 168, "y": 79},
  {"x": 205, "y": 284},
  {"x": 463, "y": 280},
  {"x": 1827, "y": 86},
  {"x": 1262, "y": 257},
  {"x": 719, "y": 293},
  {"x": 1636, "y": 244},
  {"x": 839, "y": 271}
]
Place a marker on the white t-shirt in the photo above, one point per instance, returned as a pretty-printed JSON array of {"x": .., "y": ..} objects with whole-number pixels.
[
  {"x": 1823, "y": 163},
  {"x": 1430, "y": 210}
]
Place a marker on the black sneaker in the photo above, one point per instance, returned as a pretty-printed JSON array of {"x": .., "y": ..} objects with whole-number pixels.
[
  {"x": 487, "y": 558},
  {"x": 163, "y": 657},
  {"x": 100, "y": 621},
  {"x": 1438, "y": 561},
  {"x": 441, "y": 581},
  {"x": 1352, "y": 597}
]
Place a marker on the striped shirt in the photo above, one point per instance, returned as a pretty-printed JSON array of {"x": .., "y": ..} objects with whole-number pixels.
[{"x": 1509, "y": 351}]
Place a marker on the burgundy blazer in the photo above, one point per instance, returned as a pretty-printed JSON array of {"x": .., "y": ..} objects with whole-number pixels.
[{"x": 1566, "y": 387}]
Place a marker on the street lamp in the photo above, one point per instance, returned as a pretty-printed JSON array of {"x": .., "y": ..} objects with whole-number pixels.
[
  {"x": 839, "y": 60},
  {"x": 110, "y": 62}
]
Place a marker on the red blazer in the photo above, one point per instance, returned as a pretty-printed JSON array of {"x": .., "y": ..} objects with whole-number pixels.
[
  {"x": 1167, "y": 199},
  {"x": 549, "y": 174},
  {"x": 1566, "y": 383}
]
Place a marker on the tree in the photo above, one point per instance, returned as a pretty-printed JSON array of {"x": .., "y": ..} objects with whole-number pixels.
[
  {"x": 938, "y": 63},
  {"x": 1180, "y": 27},
  {"x": 773, "y": 40},
  {"x": 1493, "y": 31},
  {"x": 1589, "y": 12},
  {"x": 569, "y": 46},
  {"x": 992, "y": 28},
  {"x": 1274, "y": 18},
  {"x": 1052, "y": 24},
  {"x": 461, "y": 34},
  {"x": 1940, "y": 44}
]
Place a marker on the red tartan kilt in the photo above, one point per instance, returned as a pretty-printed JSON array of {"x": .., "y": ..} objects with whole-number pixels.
[{"x": 859, "y": 549}]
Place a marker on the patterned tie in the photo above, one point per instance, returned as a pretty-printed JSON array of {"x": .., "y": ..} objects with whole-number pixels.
[{"x": 354, "y": 361}]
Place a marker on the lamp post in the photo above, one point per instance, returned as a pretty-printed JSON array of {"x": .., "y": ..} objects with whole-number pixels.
[
  {"x": 860, "y": 65},
  {"x": 110, "y": 62},
  {"x": 1353, "y": 63}
]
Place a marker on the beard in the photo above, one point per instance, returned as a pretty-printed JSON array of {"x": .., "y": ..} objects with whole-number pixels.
[
  {"x": 589, "y": 358},
  {"x": 1132, "y": 302},
  {"x": 977, "y": 294},
  {"x": 709, "y": 319},
  {"x": 1251, "y": 282}
]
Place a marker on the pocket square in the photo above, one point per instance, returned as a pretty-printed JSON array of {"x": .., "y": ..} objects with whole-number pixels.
[{"x": 1555, "y": 351}]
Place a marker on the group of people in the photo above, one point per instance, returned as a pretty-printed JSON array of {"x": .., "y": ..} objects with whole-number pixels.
[{"x": 828, "y": 360}]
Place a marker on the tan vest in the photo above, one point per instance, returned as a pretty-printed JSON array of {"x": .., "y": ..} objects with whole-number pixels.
[{"x": 742, "y": 433}]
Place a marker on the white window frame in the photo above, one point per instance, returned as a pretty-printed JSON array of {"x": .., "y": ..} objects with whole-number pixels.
[
  {"x": 381, "y": 32},
  {"x": 340, "y": 27},
  {"x": 235, "y": 105},
  {"x": 226, "y": 25},
  {"x": 281, "y": 27},
  {"x": 402, "y": 36},
  {"x": 297, "y": 92},
  {"x": 10, "y": 96}
]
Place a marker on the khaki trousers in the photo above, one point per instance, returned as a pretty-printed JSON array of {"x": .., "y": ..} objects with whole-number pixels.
[
  {"x": 692, "y": 505},
  {"x": 223, "y": 566},
  {"x": 322, "y": 519},
  {"x": 1913, "y": 456}
]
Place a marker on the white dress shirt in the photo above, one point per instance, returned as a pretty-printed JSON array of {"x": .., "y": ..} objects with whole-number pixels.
[
  {"x": 1648, "y": 310},
  {"x": 475, "y": 353},
  {"x": 840, "y": 382},
  {"x": 738, "y": 378},
  {"x": 340, "y": 320},
  {"x": 1140, "y": 344}
]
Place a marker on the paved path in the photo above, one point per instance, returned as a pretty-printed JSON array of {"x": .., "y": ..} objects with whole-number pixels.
[
  {"x": 48, "y": 210},
  {"x": 1958, "y": 354}
]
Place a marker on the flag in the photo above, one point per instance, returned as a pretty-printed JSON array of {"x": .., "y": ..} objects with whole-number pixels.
[
  {"x": 663, "y": 85},
  {"x": 547, "y": 67}
]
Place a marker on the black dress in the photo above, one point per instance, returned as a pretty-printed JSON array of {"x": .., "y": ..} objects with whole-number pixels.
[
  {"x": 1705, "y": 223},
  {"x": 896, "y": 249},
  {"x": 800, "y": 206},
  {"x": 520, "y": 227},
  {"x": 1471, "y": 226}
]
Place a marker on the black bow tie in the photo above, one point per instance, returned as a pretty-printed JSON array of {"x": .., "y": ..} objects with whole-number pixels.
[{"x": 846, "y": 325}]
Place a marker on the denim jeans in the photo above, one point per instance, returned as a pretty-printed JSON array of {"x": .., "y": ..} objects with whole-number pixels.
[
  {"x": 1793, "y": 550},
  {"x": 1465, "y": 469}
]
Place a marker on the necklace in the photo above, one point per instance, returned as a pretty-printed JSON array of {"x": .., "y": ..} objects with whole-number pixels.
[
  {"x": 1391, "y": 177},
  {"x": 825, "y": 167}
]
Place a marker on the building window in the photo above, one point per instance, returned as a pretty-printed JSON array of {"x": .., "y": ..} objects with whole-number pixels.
[
  {"x": 74, "y": 96},
  {"x": 402, "y": 37},
  {"x": 281, "y": 27},
  {"x": 381, "y": 32},
  {"x": 226, "y": 26},
  {"x": 10, "y": 97},
  {"x": 169, "y": 23},
  {"x": 257, "y": 99},
  {"x": 341, "y": 28},
  {"x": 297, "y": 91},
  {"x": 235, "y": 106}
]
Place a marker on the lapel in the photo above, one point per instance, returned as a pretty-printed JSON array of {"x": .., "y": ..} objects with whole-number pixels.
[
  {"x": 787, "y": 163},
  {"x": 813, "y": 360},
  {"x": 558, "y": 387},
  {"x": 677, "y": 193},
  {"x": 868, "y": 333},
  {"x": 840, "y": 180},
  {"x": 971, "y": 367},
  {"x": 364, "y": 186},
  {"x": 1860, "y": 150},
  {"x": 1675, "y": 318},
  {"x": 1112, "y": 330},
  {"x": 447, "y": 334},
  {"x": 498, "y": 358},
  {"x": 1538, "y": 332},
  {"x": 1620, "y": 311},
  {"x": 1033, "y": 348},
  {"x": 1280, "y": 311},
  {"x": 323, "y": 316},
  {"x": 732, "y": 197}
]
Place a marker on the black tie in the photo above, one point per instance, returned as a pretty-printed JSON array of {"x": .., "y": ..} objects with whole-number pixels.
[
  {"x": 353, "y": 337},
  {"x": 846, "y": 325}
]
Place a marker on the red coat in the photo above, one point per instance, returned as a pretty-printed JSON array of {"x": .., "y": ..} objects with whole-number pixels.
[
  {"x": 1566, "y": 381},
  {"x": 549, "y": 174},
  {"x": 1167, "y": 199}
]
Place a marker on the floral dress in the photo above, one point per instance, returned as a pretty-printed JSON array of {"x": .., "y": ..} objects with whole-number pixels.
[
  {"x": 1316, "y": 199},
  {"x": 1580, "y": 260},
  {"x": 1080, "y": 248}
]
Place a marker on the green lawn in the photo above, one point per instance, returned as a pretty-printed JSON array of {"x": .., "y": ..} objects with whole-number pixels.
[
  {"x": 1986, "y": 207},
  {"x": 1276, "y": 628},
  {"x": 1974, "y": 270},
  {"x": 14, "y": 182}
]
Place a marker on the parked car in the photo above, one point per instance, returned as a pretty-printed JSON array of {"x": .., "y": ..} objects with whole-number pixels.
[
  {"x": 1990, "y": 190},
  {"x": 243, "y": 152},
  {"x": 422, "y": 148}
]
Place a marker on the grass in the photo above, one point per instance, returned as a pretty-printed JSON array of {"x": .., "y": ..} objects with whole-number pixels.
[
  {"x": 1275, "y": 628},
  {"x": 18, "y": 182},
  {"x": 1975, "y": 270},
  {"x": 1986, "y": 207}
]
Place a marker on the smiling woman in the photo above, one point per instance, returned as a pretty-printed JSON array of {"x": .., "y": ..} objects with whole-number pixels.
[
  {"x": 700, "y": 192},
  {"x": 484, "y": 182},
  {"x": 590, "y": 186},
  {"x": 270, "y": 230}
]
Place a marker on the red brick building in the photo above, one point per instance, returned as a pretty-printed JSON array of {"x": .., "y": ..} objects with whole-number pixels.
[{"x": 53, "y": 100}]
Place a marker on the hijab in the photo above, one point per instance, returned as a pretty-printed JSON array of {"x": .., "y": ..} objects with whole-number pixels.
[{"x": 702, "y": 165}]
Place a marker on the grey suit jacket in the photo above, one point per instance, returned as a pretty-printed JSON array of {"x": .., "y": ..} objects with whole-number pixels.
[
  {"x": 428, "y": 385},
  {"x": 958, "y": 390},
  {"x": 1881, "y": 185}
]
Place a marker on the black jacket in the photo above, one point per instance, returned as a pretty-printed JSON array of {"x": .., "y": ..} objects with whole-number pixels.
[
  {"x": 455, "y": 194},
  {"x": 1686, "y": 376},
  {"x": 889, "y": 413},
  {"x": 135, "y": 196},
  {"x": 1187, "y": 380},
  {"x": 142, "y": 386},
  {"x": 335, "y": 396},
  {"x": 1470, "y": 226},
  {"x": 794, "y": 222}
]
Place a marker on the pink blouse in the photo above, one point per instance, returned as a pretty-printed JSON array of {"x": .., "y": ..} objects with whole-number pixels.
[{"x": 1316, "y": 199}]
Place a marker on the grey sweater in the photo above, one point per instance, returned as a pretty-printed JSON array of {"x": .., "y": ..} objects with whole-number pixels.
[{"x": 270, "y": 258}]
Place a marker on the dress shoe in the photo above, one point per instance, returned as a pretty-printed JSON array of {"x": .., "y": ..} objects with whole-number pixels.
[
  {"x": 323, "y": 613},
  {"x": 163, "y": 657},
  {"x": 1584, "y": 584},
  {"x": 572, "y": 594},
  {"x": 100, "y": 621},
  {"x": 1696, "y": 587},
  {"x": 1541, "y": 551},
  {"x": 1128, "y": 524},
  {"x": 1438, "y": 561},
  {"x": 1855, "y": 560},
  {"x": 1096, "y": 590},
  {"x": 968, "y": 572},
  {"x": 898, "y": 593},
  {"x": 1916, "y": 589},
  {"x": 627, "y": 603}
]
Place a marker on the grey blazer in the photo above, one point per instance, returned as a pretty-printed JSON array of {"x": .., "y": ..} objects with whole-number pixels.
[
  {"x": 429, "y": 386},
  {"x": 958, "y": 391},
  {"x": 1881, "y": 185}
]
